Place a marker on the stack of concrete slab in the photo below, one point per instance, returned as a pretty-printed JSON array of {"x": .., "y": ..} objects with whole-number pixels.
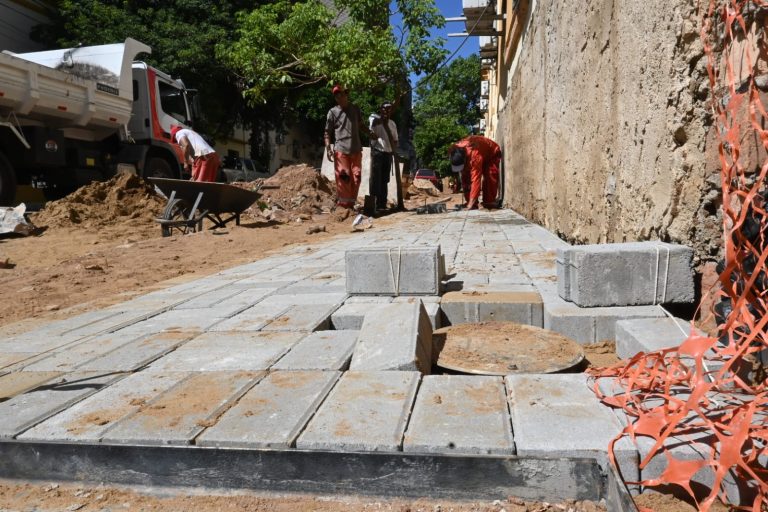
[
  {"x": 394, "y": 271},
  {"x": 627, "y": 274},
  {"x": 396, "y": 336}
]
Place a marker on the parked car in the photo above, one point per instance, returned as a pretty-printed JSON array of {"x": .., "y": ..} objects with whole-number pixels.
[
  {"x": 430, "y": 175},
  {"x": 241, "y": 169}
]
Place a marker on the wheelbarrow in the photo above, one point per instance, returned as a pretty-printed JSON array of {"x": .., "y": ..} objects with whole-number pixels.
[{"x": 189, "y": 202}]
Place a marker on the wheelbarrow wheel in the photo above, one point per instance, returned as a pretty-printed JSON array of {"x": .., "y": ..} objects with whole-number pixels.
[{"x": 176, "y": 210}]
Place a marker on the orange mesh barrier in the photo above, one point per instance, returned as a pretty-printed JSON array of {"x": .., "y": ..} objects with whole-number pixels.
[{"x": 710, "y": 394}]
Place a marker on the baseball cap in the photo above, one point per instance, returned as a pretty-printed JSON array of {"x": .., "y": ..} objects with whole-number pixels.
[
  {"x": 174, "y": 130},
  {"x": 337, "y": 89},
  {"x": 458, "y": 157}
]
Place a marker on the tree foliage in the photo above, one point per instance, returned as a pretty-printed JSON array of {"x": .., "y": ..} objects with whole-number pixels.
[
  {"x": 287, "y": 44},
  {"x": 446, "y": 109}
]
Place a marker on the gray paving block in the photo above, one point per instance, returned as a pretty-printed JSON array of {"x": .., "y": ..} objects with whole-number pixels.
[
  {"x": 252, "y": 319},
  {"x": 460, "y": 414},
  {"x": 294, "y": 299},
  {"x": 138, "y": 353},
  {"x": 626, "y": 274},
  {"x": 559, "y": 416},
  {"x": 26, "y": 410},
  {"x": 366, "y": 411},
  {"x": 650, "y": 334},
  {"x": 303, "y": 318},
  {"x": 350, "y": 316},
  {"x": 368, "y": 299},
  {"x": 72, "y": 356},
  {"x": 228, "y": 351},
  {"x": 523, "y": 306},
  {"x": 87, "y": 421},
  {"x": 272, "y": 413},
  {"x": 395, "y": 336},
  {"x": 181, "y": 413},
  {"x": 188, "y": 320},
  {"x": 320, "y": 350},
  {"x": 587, "y": 325},
  {"x": 11, "y": 358},
  {"x": 393, "y": 271},
  {"x": 37, "y": 341},
  {"x": 16, "y": 383}
]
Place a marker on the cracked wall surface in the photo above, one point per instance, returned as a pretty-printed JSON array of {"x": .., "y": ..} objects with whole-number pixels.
[{"x": 605, "y": 124}]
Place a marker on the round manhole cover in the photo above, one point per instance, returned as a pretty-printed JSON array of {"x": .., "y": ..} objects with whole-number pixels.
[{"x": 501, "y": 348}]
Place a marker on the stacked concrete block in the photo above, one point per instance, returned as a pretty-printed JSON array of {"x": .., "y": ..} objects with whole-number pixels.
[
  {"x": 395, "y": 336},
  {"x": 627, "y": 274},
  {"x": 513, "y": 303},
  {"x": 586, "y": 325},
  {"x": 394, "y": 271}
]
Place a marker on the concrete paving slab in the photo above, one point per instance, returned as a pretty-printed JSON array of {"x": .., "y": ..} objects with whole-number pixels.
[
  {"x": 366, "y": 411},
  {"x": 253, "y": 318},
  {"x": 368, "y": 299},
  {"x": 11, "y": 358},
  {"x": 246, "y": 298},
  {"x": 460, "y": 414},
  {"x": 177, "y": 416},
  {"x": 524, "y": 306},
  {"x": 626, "y": 274},
  {"x": 400, "y": 271},
  {"x": 16, "y": 383},
  {"x": 273, "y": 413},
  {"x": 303, "y": 318},
  {"x": 36, "y": 341},
  {"x": 395, "y": 336},
  {"x": 228, "y": 351},
  {"x": 138, "y": 353},
  {"x": 558, "y": 416},
  {"x": 88, "y": 420},
  {"x": 210, "y": 298},
  {"x": 189, "y": 320},
  {"x": 306, "y": 299},
  {"x": 72, "y": 356},
  {"x": 650, "y": 334},
  {"x": 26, "y": 410},
  {"x": 320, "y": 350}
]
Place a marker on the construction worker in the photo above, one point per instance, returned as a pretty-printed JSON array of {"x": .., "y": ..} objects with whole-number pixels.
[
  {"x": 200, "y": 159},
  {"x": 477, "y": 158},
  {"x": 342, "y": 128},
  {"x": 382, "y": 148}
]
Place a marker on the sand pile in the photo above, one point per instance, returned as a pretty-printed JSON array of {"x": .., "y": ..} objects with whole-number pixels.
[
  {"x": 125, "y": 197},
  {"x": 423, "y": 188},
  {"x": 300, "y": 189}
]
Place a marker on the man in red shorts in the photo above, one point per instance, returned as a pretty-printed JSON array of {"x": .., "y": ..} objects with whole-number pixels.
[
  {"x": 477, "y": 158},
  {"x": 199, "y": 157},
  {"x": 342, "y": 128}
]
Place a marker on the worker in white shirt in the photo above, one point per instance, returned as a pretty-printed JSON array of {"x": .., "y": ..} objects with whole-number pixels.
[
  {"x": 199, "y": 156},
  {"x": 383, "y": 144}
]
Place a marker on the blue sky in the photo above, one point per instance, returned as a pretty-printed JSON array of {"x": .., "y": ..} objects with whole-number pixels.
[{"x": 450, "y": 9}]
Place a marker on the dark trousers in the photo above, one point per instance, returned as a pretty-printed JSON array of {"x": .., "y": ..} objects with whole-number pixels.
[{"x": 381, "y": 165}]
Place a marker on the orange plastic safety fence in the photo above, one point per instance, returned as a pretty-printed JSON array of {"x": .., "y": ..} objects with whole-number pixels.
[{"x": 710, "y": 394}]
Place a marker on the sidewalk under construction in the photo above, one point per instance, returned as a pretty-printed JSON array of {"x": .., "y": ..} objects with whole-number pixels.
[{"x": 242, "y": 379}]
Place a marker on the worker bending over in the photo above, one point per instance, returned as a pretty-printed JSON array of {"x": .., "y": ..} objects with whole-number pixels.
[
  {"x": 200, "y": 159},
  {"x": 477, "y": 158}
]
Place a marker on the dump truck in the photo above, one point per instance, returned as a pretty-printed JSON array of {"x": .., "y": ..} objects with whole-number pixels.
[{"x": 72, "y": 116}]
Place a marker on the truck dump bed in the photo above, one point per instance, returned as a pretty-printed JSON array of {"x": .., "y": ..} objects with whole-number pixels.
[{"x": 80, "y": 87}]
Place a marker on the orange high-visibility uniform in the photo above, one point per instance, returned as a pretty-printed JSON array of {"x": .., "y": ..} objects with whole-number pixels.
[{"x": 481, "y": 167}]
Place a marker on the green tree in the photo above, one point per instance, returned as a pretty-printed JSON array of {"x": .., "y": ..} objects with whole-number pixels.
[
  {"x": 183, "y": 35},
  {"x": 446, "y": 108},
  {"x": 288, "y": 45}
]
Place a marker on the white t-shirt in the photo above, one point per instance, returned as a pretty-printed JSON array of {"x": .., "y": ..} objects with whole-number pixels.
[
  {"x": 199, "y": 146},
  {"x": 382, "y": 141}
]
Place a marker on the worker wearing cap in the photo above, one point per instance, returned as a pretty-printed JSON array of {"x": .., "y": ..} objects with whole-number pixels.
[
  {"x": 477, "y": 158},
  {"x": 199, "y": 157},
  {"x": 382, "y": 146},
  {"x": 342, "y": 146}
]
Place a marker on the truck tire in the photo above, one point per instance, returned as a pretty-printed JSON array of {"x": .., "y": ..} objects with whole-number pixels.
[
  {"x": 7, "y": 182},
  {"x": 158, "y": 167}
]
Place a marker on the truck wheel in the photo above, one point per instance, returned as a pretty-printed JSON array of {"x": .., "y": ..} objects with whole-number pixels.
[
  {"x": 158, "y": 167},
  {"x": 7, "y": 182}
]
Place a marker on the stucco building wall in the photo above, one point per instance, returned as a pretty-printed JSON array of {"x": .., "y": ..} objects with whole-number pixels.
[{"x": 604, "y": 123}]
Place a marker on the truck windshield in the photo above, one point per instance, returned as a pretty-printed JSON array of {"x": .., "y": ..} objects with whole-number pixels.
[{"x": 172, "y": 101}]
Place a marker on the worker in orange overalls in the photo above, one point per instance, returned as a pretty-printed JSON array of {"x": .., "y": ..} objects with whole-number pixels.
[{"x": 477, "y": 158}]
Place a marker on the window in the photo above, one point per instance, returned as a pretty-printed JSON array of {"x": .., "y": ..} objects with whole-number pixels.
[
  {"x": 135, "y": 90},
  {"x": 172, "y": 101}
]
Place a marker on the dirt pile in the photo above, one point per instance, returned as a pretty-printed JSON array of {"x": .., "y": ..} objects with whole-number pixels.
[
  {"x": 299, "y": 189},
  {"x": 422, "y": 188},
  {"x": 125, "y": 197}
]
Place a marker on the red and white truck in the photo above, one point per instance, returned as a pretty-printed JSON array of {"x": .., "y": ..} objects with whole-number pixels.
[{"x": 71, "y": 116}]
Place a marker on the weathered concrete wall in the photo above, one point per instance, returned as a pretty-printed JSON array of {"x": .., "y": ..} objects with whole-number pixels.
[{"x": 605, "y": 124}]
